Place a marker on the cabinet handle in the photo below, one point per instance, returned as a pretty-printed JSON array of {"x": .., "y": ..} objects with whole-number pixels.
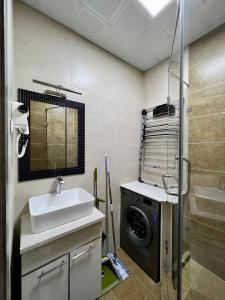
[
  {"x": 84, "y": 252},
  {"x": 51, "y": 270}
]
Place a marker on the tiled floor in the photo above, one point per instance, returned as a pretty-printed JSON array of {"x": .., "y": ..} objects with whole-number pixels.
[
  {"x": 203, "y": 284},
  {"x": 198, "y": 284},
  {"x": 139, "y": 286}
]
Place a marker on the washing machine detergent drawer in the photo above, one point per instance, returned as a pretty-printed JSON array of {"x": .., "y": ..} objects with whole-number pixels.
[{"x": 140, "y": 231}]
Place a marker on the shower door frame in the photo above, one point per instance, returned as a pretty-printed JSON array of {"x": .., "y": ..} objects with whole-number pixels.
[
  {"x": 3, "y": 153},
  {"x": 181, "y": 150},
  {"x": 179, "y": 30}
]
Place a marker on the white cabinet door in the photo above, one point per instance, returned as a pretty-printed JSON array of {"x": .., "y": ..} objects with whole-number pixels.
[
  {"x": 85, "y": 272},
  {"x": 49, "y": 282}
]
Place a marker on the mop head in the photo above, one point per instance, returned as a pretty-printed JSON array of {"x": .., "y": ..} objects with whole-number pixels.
[
  {"x": 121, "y": 270},
  {"x": 109, "y": 276}
]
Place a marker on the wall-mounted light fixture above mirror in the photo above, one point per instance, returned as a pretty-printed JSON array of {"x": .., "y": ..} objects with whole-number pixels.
[{"x": 56, "y": 145}]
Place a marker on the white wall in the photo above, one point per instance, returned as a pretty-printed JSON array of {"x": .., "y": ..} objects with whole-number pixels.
[
  {"x": 156, "y": 85},
  {"x": 112, "y": 92},
  {"x": 157, "y": 88}
]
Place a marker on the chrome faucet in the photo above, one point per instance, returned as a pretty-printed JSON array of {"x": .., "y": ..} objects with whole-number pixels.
[{"x": 60, "y": 181}]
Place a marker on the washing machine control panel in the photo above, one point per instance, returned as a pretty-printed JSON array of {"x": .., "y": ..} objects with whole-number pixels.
[{"x": 147, "y": 201}]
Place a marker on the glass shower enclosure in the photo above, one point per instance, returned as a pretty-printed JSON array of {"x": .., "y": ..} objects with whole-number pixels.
[{"x": 196, "y": 83}]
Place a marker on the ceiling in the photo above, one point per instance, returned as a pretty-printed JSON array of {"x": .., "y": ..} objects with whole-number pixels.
[{"x": 125, "y": 29}]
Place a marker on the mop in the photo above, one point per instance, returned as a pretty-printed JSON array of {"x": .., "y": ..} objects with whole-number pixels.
[
  {"x": 118, "y": 266},
  {"x": 109, "y": 276}
]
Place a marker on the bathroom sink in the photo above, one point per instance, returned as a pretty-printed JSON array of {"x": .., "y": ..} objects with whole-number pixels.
[{"x": 50, "y": 210}]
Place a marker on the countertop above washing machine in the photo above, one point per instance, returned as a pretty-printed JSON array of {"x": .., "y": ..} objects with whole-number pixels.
[{"x": 153, "y": 192}]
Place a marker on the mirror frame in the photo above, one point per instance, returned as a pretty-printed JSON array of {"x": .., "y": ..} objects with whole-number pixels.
[{"x": 24, "y": 171}]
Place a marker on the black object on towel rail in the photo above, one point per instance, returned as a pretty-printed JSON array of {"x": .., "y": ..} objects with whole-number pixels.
[{"x": 164, "y": 109}]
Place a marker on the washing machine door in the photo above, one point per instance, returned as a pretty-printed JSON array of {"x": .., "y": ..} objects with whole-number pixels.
[{"x": 138, "y": 227}]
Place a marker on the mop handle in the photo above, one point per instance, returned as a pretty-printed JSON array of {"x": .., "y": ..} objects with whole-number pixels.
[{"x": 111, "y": 204}]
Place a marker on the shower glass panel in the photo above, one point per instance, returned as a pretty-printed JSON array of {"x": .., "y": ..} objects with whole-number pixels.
[
  {"x": 169, "y": 283},
  {"x": 173, "y": 152},
  {"x": 203, "y": 214}
]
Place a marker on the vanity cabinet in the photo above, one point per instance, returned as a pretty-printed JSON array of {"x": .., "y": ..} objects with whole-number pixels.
[
  {"x": 63, "y": 263},
  {"x": 54, "y": 281},
  {"x": 85, "y": 272},
  {"x": 48, "y": 282}
]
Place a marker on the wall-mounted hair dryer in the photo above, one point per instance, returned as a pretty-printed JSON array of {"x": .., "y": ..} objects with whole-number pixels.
[{"x": 19, "y": 122}]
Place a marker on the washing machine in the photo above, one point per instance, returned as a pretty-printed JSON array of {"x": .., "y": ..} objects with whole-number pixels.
[{"x": 140, "y": 231}]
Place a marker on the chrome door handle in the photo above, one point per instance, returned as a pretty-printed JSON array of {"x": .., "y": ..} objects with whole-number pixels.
[
  {"x": 165, "y": 185},
  {"x": 184, "y": 193},
  {"x": 84, "y": 252},
  {"x": 51, "y": 270}
]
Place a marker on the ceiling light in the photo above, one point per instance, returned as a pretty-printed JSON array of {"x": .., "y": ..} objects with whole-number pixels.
[{"x": 154, "y": 6}]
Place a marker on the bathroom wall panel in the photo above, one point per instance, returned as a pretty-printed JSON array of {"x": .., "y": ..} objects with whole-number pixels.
[
  {"x": 208, "y": 101},
  {"x": 111, "y": 90},
  {"x": 207, "y": 156},
  {"x": 207, "y": 151},
  {"x": 209, "y": 48},
  {"x": 208, "y": 74},
  {"x": 207, "y": 247},
  {"x": 207, "y": 178},
  {"x": 215, "y": 125}
]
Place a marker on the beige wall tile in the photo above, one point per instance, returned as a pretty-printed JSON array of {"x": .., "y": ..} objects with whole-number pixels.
[
  {"x": 72, "y": 132},
  {"x": 56, "y": 163},
  {"x": 39, "y": 107},
  {"x": 38, "y": 120},
  {"x": 38, "y": 135},
  {"x": 208, "y": 101},
  {"x": 207, "y": 152},
  {"x": 209, "y": 47},
  {"x": 56, "y": 124},
  {"x": 54, "y": 151},
  {"x": 207, "y": 156},
  {"x": 208, "y": 247},
  {"x": 39, "y": 164},
  {"x": 208, "y": 74},
  {"x": 38, "y": 151},
  {"x": 209, "y": 128},
  {"x": 209, "y": 285},
  {"x": 207, "y": 179},
  {"x": 56, "y": 137},
  {"x": 207, "y": 211}
]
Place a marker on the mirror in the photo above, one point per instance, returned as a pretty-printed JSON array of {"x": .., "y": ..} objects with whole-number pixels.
[
  {"x": 53, "y": 136},
  {"x": 56, "y": 142}
]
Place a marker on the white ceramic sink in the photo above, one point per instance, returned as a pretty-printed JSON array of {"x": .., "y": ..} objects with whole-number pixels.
[{"x": 50, "y": 210}]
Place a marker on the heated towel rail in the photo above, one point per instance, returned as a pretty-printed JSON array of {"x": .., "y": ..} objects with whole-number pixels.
[{"x": 159, "y": 148}]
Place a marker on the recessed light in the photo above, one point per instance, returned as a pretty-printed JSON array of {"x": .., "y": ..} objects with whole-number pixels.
[{"x": 154, "y": 6}]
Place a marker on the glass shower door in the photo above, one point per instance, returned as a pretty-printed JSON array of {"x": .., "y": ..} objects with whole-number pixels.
[
  {"x": 171, "y": 179},
  {"x": 203, "y": 208},
  {"x": 178, "y": 95}
]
